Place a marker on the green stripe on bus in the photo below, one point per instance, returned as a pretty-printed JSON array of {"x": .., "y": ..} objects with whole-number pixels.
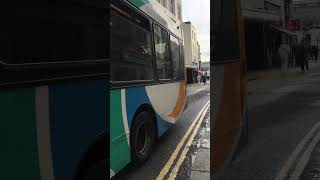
[
  {"x": 139, "y": 3},
  {"x": 18, "y": 147},
  {"x": 119, "y": 148}
]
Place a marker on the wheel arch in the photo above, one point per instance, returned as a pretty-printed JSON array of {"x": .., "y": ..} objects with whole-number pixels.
[{"x": 96, "y": 151}]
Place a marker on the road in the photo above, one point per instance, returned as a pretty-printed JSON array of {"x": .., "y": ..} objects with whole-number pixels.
[
  {"x": 280, "y": 117},
  {"x": 168, "y": 143}
]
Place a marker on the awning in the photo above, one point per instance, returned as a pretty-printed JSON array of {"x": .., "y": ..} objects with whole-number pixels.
[
  {"x": 284, "y": 30},
  {"x": 260, "y": 15}
]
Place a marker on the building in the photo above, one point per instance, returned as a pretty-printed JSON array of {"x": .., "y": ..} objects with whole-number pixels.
[
  {"x": 199, "y": 53},
  {"x": 307, "y": 11},
  {"x": 263, "y": 23},
  {"x": 191, "y": 51},
  {"x": 190, "y": 44},
  {"x": 173, "y": 6}
]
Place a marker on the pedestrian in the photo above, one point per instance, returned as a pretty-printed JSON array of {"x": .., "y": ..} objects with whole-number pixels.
[
  {"x": 310, "y": 52},
  {"x": 295, "y": 55},
  {"x": 307, "y": 46},
  {"x": 199, "y": 78},
  {"x": 204, "y": 79},
  {"x": 284, "y": 52},
  {"x": 302, "y": 55},
  {"x": 316, "y": 52}
]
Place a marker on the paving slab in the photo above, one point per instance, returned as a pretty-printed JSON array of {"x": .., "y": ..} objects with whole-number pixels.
[
  {"x": 198, "y": 175},
  {"x": 202, "y": 161}
]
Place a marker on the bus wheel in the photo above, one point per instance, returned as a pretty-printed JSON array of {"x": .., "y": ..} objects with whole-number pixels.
[
  {"x": 97, "y": 171},
  {"x": 142, "y": 137}
]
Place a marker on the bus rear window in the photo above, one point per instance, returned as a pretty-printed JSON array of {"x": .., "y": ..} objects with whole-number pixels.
[
  {"x": 225, "y": 31},
  {"x": 65, "y": 31}
]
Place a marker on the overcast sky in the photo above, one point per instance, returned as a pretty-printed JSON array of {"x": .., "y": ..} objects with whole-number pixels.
[{"x": 198, "y": 12}]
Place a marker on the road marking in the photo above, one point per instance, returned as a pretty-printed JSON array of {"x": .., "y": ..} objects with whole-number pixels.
[
  {"x": 168, "y": 165},
  {"x": 182, "y": 157},
  {"x": 284, "y": 170},
  {"x": 305, "y": 158}
]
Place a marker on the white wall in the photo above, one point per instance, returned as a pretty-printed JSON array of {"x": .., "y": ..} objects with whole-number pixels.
[
  {"x": 187, "y": 43},
  {"x": 190, "y": 44}
]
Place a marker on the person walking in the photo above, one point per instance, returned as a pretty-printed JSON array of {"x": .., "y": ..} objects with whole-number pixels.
[
  {"x": 199, "y": 78},
  {"x": 204, "y": 79},
  {"x": 302, "y": 55},
  {"x": 284, "y": 52},
  {"x": 316, "y": 52},
  {"x": 307, "y": 46},
  {"x": 310, "y": 50}
]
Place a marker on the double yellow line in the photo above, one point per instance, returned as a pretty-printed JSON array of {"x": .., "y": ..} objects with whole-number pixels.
[{"x": 194, "y": 126}]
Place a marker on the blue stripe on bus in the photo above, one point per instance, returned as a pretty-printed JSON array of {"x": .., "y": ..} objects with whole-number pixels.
[
  {"x": 137, "y": 96},
  {"x": 134, "y": 98},
  {"x": 163, "y": 125},
  {"x": 78, "y": 113}
]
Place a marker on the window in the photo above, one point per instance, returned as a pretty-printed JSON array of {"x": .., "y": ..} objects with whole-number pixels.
[
  {"x": 33, "y": 34},
  {"x": 131, "y": 50},
  {"x": 225, "y": 31},
  {"x": 179, "y": 12},
  {"x": 164, "y": 3},
  {"x": 175, "y": 56},
  {"x": 164, "y": 66},
  {"x": 173, "y": 7},
  {"x": 48, "y": 36}
]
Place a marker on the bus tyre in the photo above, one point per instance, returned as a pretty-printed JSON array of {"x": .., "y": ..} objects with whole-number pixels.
[
  {"x": 97, "y": 172},
  {"x": 142, "y": 137}
]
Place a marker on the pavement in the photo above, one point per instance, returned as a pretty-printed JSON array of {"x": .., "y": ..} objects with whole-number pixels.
[
  {"x": 312, "y": 169},
  {"x": 282, "y": 112},
  {"x": 200, "y": 169},
  {"x": 197, "y": 163},
  {"x": 195, "y": 88},
  {"x": 265, "y": 86}
]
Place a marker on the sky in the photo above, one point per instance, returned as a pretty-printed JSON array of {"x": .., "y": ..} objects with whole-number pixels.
[{"x": 198, "y": 12}]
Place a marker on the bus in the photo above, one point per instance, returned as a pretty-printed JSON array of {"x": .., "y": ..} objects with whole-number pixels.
[
  {"x": 148, "y": 87},
  {"x": 229, "y": 108},
  {"x": 54, "y": 90}
]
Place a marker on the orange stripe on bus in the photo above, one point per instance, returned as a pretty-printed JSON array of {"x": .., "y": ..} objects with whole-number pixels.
[{"x": 181, "y": 101}]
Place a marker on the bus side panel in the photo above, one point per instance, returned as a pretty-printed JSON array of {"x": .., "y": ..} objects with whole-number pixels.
[
  {"x": 78, "y": 114},
  {"x": 168, "y": 101},
  {"x": 137, "y": 96},
  {"x": 18, "y": 135},
  {"x": 227, "y": 125},
  {"x": 119, "y": 147}
]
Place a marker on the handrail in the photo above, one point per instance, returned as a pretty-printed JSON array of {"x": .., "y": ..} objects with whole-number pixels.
[
  {"x": 41, "y": 65},
  {"x": 228, "y": 61}
]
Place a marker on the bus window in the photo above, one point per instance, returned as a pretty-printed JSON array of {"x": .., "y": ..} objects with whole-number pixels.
[
  {"x": 164, "y": 66},
  {"x": 175, "y": 55},
  {"x": 44, "y": 36},
  {"x": 131, "y": 51},
  {"x": 225, "y": 37}
]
